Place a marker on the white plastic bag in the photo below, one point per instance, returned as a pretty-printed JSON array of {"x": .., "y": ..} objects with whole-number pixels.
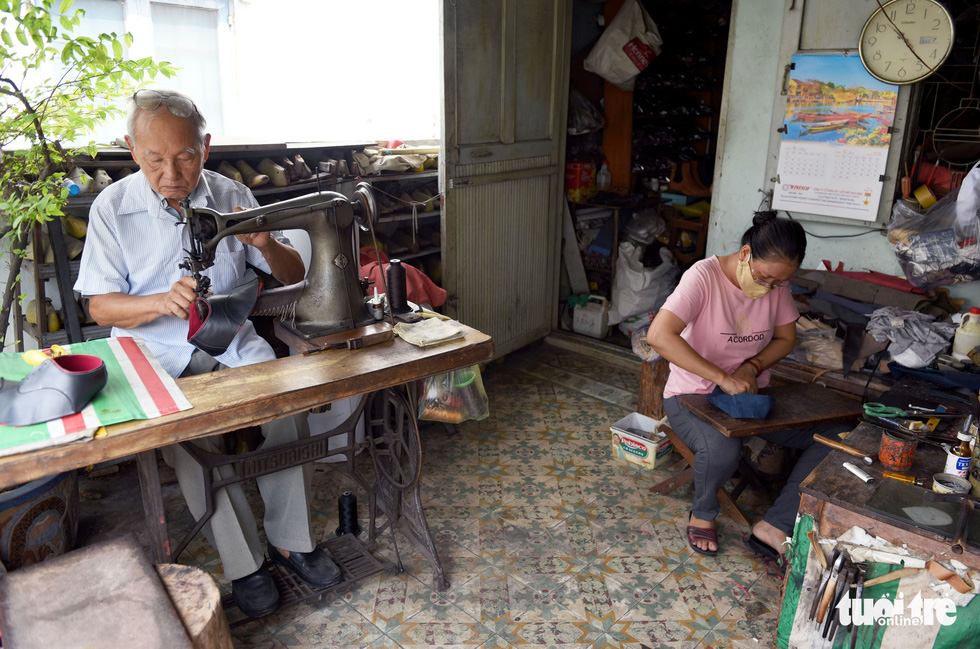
[
  {"x": 637, "y": 289},
  {"x": 627, "y": 46}
]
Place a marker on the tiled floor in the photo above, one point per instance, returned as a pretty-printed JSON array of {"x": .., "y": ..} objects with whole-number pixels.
[{"x": 547, "y": 538}]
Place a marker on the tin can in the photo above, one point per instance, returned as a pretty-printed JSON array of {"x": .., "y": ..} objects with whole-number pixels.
[{"x": 896, "y": 452}]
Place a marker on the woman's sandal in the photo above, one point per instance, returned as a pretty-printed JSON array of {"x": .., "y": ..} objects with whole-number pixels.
[
  {"x": 701, "y": 534},
  {"x": 761, "y": 549}
]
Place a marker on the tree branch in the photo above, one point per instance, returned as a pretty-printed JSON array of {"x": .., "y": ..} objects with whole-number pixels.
[{"x": 17, "y": 94}]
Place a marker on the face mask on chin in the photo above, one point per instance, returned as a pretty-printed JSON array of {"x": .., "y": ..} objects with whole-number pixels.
[{"x": 745, "y": 281}]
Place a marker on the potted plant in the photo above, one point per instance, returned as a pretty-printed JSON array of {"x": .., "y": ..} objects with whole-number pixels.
[{"x": 55, "y": 87}]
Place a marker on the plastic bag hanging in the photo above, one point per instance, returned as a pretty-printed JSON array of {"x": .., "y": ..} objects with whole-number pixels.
[{"x": 454, "y": 397}]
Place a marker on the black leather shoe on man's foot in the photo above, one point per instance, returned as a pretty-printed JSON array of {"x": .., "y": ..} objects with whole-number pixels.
[
  {"x": 256, "y": 594},
  {"x": 315, "y": 568}
]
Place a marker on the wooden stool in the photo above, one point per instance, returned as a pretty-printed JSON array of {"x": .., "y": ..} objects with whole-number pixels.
[
  {"x": 108, "y": 595},
  {"x": 653, "y": 377},
  {"x": 198, "y": 602}
]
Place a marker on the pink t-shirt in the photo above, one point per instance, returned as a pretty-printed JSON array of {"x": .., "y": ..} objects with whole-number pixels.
[{"x": 723, "y": 325}]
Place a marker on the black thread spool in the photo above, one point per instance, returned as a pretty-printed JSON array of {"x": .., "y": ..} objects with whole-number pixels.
[
  {"x": 397, "y": 288},
  {"x": 347, "y": 513}
]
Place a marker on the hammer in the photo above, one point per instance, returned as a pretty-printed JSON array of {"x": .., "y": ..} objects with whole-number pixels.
[{"x": 840, "y": 446}]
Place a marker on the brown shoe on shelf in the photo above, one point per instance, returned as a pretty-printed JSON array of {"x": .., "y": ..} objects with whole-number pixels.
[
  {"x": 290, "y": 168},
  {"x": 302, "y": 170},
  {"x": 251, "y": 177}
]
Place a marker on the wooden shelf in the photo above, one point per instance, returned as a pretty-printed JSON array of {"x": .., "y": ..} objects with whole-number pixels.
[
  {"x": 47, "y": 271},
  {"x": 424, "y": 252},
  {"x": 407, "y": 216},
  {"x": 60, "y": 337}
]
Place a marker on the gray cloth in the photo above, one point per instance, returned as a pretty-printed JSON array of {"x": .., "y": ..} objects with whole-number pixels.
[
  {"x": 232, "y": 529},
  {"x": 916, "y": 338},
  {"x": 716, "y": 458}
]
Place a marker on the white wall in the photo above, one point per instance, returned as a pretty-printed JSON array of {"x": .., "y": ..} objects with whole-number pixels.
[{"x": 744, "y": 134}]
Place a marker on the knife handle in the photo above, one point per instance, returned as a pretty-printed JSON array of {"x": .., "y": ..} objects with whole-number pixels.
[{"x": 828, "y": 595}]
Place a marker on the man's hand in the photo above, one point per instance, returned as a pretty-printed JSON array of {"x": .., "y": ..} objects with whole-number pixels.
[
  {"x": 180, "y": 298},
  {"x": 257, "y": 239}
]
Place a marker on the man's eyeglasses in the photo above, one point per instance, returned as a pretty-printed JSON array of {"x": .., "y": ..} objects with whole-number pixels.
[
  {"x": 782, "y": 283},
  {"x": 146, "y": 99}
]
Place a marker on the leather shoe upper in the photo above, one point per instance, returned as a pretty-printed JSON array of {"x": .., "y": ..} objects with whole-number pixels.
[
  {"x": 59, "y": 386},
  {"x": 224, "y": 315},
  {"x": 315, "y": 568},
  {"x": 255, "y": 594}
]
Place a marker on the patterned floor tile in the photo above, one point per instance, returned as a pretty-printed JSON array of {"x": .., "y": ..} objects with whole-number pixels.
[{"x": 546, "y": 538}]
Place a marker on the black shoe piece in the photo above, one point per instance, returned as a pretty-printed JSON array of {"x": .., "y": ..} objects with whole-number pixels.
[
  {"x": 761, "y": 549},
  {"x": 256, "y": 594},
  {"x": 315, "y": 568}
]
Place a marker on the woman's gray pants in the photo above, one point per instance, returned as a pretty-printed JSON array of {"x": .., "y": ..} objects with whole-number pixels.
[{"x": 716, "y": 458}]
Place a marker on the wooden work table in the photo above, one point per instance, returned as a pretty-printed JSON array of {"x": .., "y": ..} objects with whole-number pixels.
[
  {"x": 235, "y": 398},
  {"x": 838, "y": 500}
]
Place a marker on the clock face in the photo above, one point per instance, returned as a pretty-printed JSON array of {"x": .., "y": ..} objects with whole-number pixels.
[{"x": 928, "y": 39}]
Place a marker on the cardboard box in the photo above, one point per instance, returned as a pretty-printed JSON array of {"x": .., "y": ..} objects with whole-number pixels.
[{"x": 637, "y": 438}]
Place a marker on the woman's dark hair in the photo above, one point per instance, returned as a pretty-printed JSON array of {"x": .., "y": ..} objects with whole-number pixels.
[{"x": 773, "y": 238}]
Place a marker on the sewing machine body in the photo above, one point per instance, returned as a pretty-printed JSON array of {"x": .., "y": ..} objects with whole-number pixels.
[{"x": 331, "y": 299}]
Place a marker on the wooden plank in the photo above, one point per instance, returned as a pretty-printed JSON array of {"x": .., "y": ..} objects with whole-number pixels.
[
  {"x": 251, "y": 395},
  {"x": 617, "y": 135},
  {"x": 794, "y": 406}
]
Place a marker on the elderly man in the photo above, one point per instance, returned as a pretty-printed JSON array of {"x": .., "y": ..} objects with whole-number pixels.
[{"x": 130, "y": 272}]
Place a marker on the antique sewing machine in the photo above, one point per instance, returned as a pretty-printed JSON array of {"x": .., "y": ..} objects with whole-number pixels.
[{"x": 328, "y": 306}]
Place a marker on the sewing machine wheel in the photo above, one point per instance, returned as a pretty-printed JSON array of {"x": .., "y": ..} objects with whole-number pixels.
[
  {"x": 394, "y": 434},
  {"x": 365, "y": 207}
]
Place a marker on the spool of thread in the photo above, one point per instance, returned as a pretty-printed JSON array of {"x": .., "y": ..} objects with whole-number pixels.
[
  {"x": 347, "y": 514},
  {"x": 397, "y": 288}
]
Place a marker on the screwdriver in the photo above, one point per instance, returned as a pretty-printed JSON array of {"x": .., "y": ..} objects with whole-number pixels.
[{"x": 919, "y": 482}]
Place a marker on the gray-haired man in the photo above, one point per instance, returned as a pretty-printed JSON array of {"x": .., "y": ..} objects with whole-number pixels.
[{"x": 130, "y": 272}]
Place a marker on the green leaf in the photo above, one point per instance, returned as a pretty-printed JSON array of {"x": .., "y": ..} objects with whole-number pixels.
[
  {"x": 117, "y": 49},
  {"x": 5, "y": 35},
  {"x": 21, "y": 36},
  {"x": 65, "y": 4},
  {"x": 129, "y": 39}
]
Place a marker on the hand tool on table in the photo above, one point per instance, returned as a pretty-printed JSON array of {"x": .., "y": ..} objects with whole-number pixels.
[
  {"x": 862, "y": 571},
  {"x": 843, "y": 592},
  {"x": 827, "y": 587},
  {"x": 875, "y": 409},
  {"x": 38, "y": 356},
  {"x": 840, "y": 446},
  {"x": 918, "y": 482}
]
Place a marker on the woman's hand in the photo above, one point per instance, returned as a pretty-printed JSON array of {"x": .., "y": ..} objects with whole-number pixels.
[
  {"x": 747, "y": 373},
  {"x": 738, "y": 382}
]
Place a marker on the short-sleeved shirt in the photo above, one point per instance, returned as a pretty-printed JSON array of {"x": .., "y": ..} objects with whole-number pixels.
[
  {"x": 134, "y": 245},
  {"x": 723, "y": 325}
]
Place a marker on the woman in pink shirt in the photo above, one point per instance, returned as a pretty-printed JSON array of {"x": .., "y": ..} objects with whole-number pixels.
[{"x": 730, "y": 319}]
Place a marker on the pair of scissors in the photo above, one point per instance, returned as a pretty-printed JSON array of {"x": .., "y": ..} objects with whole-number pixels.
[{"x": 874, "y": 409}]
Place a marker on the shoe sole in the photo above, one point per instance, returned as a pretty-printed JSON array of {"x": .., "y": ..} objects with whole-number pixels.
[
  {"x": 280, "y": 560},
  {"x": 257, "y": 613}
]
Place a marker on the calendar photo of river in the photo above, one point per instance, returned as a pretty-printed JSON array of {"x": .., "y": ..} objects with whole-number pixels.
[
  {"x": 833, "y": 99},
  {"x": 835, "y": 139}
]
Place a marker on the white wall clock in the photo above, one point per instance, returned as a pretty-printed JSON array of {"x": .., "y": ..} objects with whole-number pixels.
[{"x": 905, "y": 41}]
